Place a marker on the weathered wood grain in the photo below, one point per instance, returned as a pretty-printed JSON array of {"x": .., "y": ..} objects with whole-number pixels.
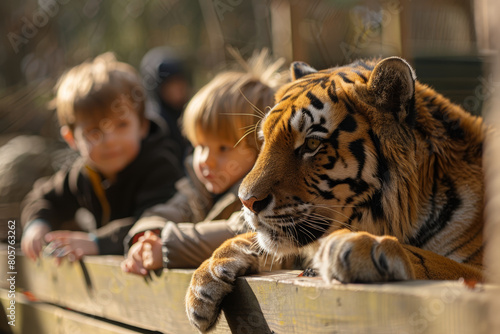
[
  {"x": 39, "y": 318},
  {"x": 278, "y": 302}
]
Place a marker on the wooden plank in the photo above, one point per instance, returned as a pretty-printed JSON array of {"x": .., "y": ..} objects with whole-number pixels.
[
  {"x": 37, "y": 317},
  {"x": 277, "y": 302},
  {"x": 304, "y": 305},
  {"x": 98, "y": 287}
]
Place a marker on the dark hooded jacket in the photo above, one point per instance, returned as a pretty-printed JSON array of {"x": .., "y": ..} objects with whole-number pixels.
[
  {"x": 159, "y": 66},
  {"x": 146, "y": 181}
]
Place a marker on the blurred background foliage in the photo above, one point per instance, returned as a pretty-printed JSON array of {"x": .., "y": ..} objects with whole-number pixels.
[{"x": 40, "y": 39}]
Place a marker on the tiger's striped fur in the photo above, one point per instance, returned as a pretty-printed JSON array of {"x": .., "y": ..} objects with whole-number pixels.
[{"x": 374, "y": 174}]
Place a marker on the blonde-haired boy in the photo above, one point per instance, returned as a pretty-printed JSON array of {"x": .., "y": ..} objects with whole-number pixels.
[
  {"x": 126, "y": 163},
  {"x": 220, "y": 122}
]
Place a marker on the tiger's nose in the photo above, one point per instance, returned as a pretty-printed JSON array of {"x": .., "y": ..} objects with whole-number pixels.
[{"x": 255, "y": 205}]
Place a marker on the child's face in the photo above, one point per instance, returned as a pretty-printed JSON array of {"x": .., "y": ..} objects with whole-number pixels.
[
  {"x": 109, "y": 143},
  {"x": 175, "y": 92},
  {"x": 218, "y": 164}
]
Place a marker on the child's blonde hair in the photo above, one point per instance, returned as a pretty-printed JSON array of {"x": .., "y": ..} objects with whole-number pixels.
[
  {"x": 231, "y": 104},
  {"x": 98, "y": 87}
]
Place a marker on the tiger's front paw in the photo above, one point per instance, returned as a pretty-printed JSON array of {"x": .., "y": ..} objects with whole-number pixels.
[
  {"x": 355, "y": 257},
  {"x": 215, "y": 278}
]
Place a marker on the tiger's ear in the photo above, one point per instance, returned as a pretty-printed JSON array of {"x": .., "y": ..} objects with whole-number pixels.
[
  {"x": 300, "y": 69},
  {"x": 392, "y": 84}
]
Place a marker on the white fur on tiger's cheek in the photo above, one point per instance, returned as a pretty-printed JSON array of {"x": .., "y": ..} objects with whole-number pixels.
[
  {"x": 260, "y": 136},
  {"x": 264, "y": 242},
  {"x": 260, "y": 130},
  {"x": 250, "y": 218}
]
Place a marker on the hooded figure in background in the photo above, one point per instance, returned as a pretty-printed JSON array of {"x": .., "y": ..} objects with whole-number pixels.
[{"x": 168, "y": 87}]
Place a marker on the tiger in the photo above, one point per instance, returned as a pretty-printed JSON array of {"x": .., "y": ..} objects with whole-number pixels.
[{"x": 372, "y": 174}]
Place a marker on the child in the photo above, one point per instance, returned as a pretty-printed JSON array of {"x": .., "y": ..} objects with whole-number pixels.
[
  {"x": 220, "y": 122},
  {"x": 168, "y": 88},
  {"x": 126, "y": 163}
]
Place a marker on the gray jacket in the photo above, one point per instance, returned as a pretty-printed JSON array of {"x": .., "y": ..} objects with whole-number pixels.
[{"x": 193, "y": 223}]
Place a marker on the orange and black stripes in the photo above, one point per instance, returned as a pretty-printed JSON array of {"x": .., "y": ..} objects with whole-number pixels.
[
  {"x": 377, "y": 171},
  {"x": 368, "y": 158}
]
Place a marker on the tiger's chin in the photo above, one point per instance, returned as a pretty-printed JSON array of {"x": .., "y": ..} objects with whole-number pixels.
[
  {"x": 269, "y": 240},
  {"x": 273, "y": 241},
  {"x": 277, "y": 245}
]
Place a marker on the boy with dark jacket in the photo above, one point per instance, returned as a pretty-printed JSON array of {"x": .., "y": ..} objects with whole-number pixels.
[{"x": 126, "y": 163}]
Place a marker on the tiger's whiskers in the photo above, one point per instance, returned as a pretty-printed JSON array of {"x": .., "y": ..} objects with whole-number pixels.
[{"x": 328, "y": 220}]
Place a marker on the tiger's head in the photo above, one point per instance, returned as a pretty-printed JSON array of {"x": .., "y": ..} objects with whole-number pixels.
[{"x": 338, "y": 151}]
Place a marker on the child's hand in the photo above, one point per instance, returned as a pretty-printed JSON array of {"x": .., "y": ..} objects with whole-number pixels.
[
  {"x": 70, "y": 245},
  {"x": 133, "y": 263},
  {"x": 144, "y": 255},
  {"x": 151, "y": 252},
  {"x": 32, "y": 241}
]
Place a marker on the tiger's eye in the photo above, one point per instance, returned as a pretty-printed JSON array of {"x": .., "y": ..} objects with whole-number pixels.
[{"x": 312, "y": 144}]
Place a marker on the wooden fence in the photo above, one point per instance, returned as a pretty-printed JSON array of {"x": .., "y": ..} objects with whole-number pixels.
[{"x": 94, "y": 296}]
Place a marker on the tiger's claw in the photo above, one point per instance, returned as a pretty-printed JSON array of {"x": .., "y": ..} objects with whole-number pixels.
[
  {"x": 355, "y": 257},
  {"x": 215, "y": 278}
]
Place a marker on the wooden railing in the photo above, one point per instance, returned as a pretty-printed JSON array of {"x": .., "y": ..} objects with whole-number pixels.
[{"x": 94, "y": 296}]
